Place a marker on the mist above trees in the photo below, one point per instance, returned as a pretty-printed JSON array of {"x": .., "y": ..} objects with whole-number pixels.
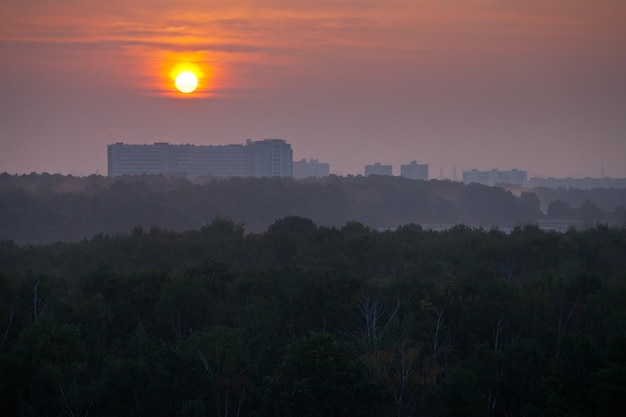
[{"x": 46, "y": 208}]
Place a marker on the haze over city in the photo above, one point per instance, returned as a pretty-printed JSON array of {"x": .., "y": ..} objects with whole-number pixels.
[{"x": 525, "y": 84}]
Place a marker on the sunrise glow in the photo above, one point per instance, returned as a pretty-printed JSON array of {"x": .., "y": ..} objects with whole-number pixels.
[{"x": 184, "y": 76}]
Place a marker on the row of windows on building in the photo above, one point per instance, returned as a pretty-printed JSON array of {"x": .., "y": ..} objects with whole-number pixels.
[
  {"x": 495, "y": 177},
  {"x": 265, "y": 158}
]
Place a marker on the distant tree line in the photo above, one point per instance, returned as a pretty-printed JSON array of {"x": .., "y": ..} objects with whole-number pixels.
[
  {"x": 43, "y": 208},
  {"x": 310, "y": 320}
]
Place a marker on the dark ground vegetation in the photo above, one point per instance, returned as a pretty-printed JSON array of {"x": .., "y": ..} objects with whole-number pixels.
[{"x": 309, "y": 320}]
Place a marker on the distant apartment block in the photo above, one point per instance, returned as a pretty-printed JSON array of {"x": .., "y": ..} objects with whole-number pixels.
[
  {"x": 414, "y": 171},
  {"x": 578, "y": 183},
  {"x": 265, "y": 158},
  {"x": 495, "y": 177},
  {"x": 378, "y": 169},
  {"x": 268, "y": 158},
  {"x": 311, "y": 168}
]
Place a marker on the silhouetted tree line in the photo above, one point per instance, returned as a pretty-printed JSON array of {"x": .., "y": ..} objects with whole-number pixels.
[
  {"x": 47, "y": 208},
  {"x": 309, "y": 320},
  {"x": 608, "y": 200}
]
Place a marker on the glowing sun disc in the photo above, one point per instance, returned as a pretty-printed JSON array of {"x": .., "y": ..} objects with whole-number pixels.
[{"x": 186, "y": 82}]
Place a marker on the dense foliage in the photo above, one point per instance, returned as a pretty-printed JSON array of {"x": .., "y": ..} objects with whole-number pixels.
[
  {"x": 308, "y": 320},
  {"x": 48, "y": 208}
]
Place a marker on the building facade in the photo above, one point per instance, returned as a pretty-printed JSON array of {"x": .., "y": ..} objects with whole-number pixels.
[
  {"x": 133, "y": 159},
  {"x": 311, "y": 168},
  {"x": 495, "y": 177},
  {"x": 378, "y": 169},
  {"x": 268, "y": 158},
  {"x": 414, "y": 171},
  {"x": 265, "y": 158}
]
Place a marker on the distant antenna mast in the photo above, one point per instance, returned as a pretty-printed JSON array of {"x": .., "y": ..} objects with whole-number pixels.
[
  {"x": 440, "y": 172},
  {"x": 602, "y": 170},
  {"x": 454, "y": 174}
]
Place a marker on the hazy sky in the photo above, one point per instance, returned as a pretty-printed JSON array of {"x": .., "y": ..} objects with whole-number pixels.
[{"x": 530, "y": 84}]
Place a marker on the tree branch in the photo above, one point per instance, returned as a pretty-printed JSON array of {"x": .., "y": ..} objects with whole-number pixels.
[{"x": 6, "y": 332}]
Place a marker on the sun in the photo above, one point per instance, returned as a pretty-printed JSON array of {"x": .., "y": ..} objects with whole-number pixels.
[
  {"x": 186, "y": 82},
  {"x": 186, "y": 76}
]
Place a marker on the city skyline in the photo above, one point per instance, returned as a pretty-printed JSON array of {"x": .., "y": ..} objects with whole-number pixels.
[
  {"x": 228, "y": 160},
  {"x": 236, "y": 160},
  {"x": 456, "y": 84},
  {"x": 437, "y": 172}
]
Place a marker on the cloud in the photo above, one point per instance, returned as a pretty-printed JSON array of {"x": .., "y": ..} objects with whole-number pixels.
[
  {"x": 306, "y": 24},
  {"x": 305, "y": 39}
]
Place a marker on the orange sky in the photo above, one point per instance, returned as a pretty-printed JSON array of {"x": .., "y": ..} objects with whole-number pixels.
[{"x": 503, "y": 84}]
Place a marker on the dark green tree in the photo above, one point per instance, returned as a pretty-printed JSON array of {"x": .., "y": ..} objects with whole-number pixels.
[
  {"x": 559, "y": 209},
  {"x": 320, "y": 377},
  {"x": 590, "y": 213}
]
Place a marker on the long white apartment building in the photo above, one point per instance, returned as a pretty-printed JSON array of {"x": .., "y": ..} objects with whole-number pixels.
[
  {"x": 495, "y": 177},
  {"x": 264, "y": 158}
]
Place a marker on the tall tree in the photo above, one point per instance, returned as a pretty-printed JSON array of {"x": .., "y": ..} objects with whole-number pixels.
[{"x": 320, "y": 377}]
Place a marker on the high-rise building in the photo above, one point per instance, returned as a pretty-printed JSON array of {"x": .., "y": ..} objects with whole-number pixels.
[
  {"x": 378, "y": 169},
  {"x": 414, "y": 171},
  {"x": 311, "y": 168},
  {"x": 495, "y": 177},
  {"x": 269, "y": 158},
  {"x": 265, "y": 158}
]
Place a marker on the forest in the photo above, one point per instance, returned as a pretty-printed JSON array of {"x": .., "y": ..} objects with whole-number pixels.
[
  {"x": 44, "y": 208},
  {"x": 303, "y": 319}
]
